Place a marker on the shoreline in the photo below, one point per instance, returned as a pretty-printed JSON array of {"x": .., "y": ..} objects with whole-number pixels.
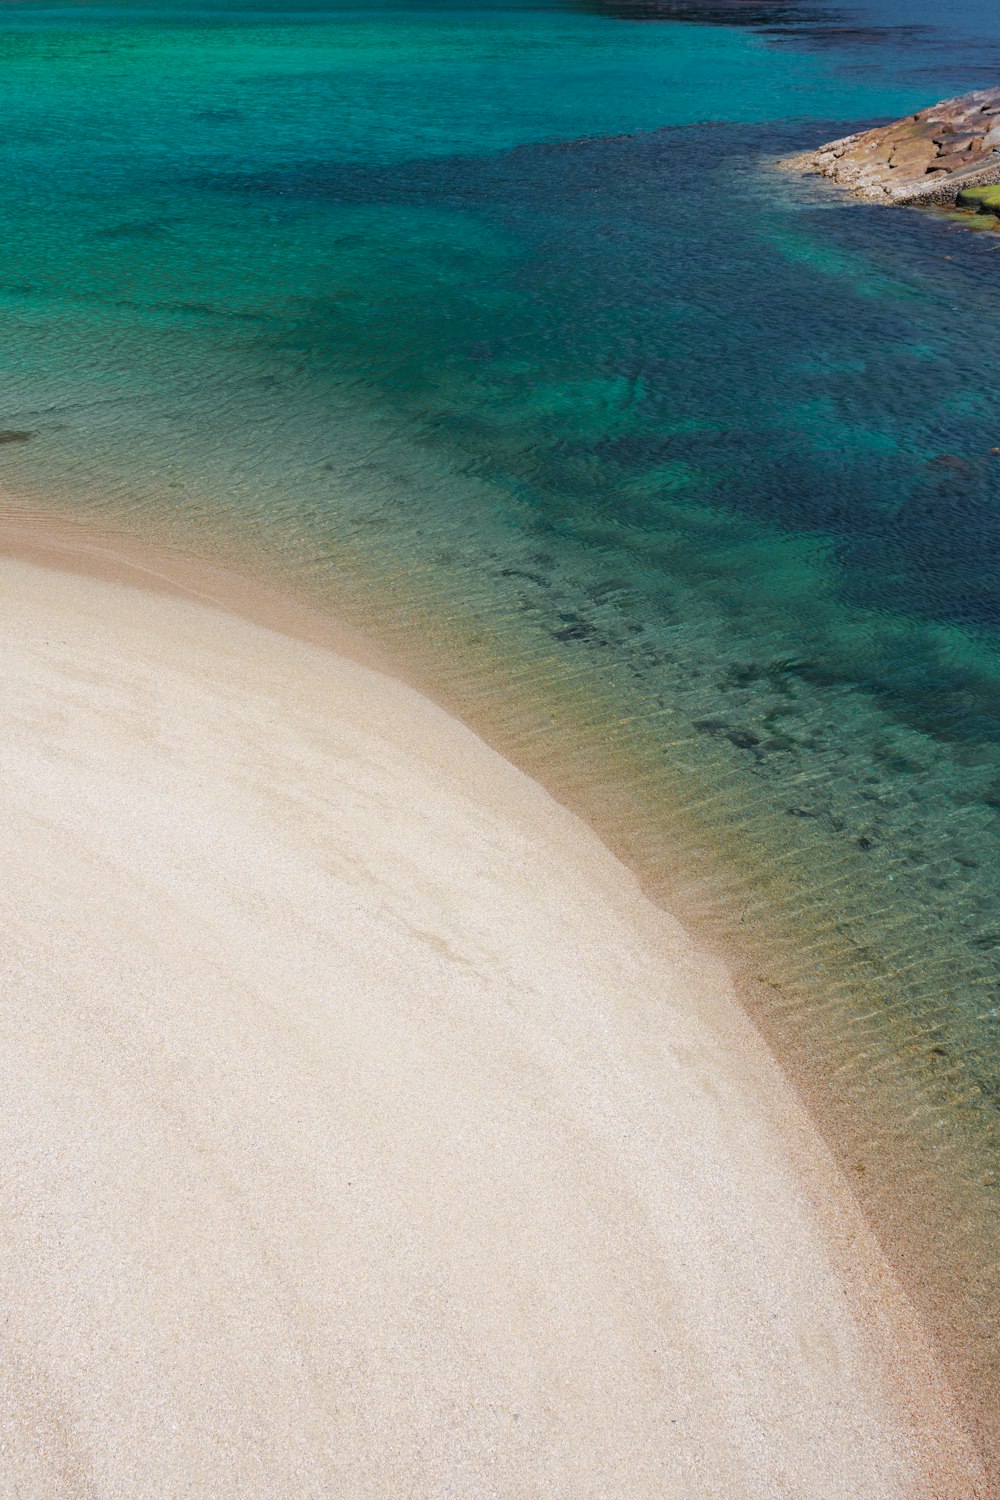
[
  {"x": 808, "y": 1191},
  {"x": 906, "y": 1139}
]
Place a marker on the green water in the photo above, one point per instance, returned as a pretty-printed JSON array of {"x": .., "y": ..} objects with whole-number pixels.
[{"x": 493, "y": 328}]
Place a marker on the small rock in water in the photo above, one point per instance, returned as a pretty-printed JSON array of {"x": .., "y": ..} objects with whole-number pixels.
[{"x": 934, "y": 157}]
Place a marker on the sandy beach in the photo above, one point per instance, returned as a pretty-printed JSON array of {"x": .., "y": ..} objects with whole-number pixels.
[{"x": 366, "y": 1132}]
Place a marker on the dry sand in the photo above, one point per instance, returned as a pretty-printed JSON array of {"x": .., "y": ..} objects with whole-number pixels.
[{"x": 365, "y": 1132}]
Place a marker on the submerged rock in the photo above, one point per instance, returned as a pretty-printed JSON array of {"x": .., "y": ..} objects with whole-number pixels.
[{"x": 930, "y": 157}]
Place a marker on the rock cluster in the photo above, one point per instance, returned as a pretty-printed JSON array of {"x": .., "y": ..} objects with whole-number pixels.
[{"x": 928, "y": 157}]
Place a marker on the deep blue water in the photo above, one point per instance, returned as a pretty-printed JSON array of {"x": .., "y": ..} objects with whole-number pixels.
[{"x": 495, "y": 327}]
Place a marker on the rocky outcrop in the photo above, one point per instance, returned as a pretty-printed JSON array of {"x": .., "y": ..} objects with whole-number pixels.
[{"x": 929, "y": 157}]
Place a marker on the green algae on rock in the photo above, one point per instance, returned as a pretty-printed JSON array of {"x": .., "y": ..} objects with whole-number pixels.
[
  {"x": 932, "y": 157},
  {"x": 985, "y": 200}
]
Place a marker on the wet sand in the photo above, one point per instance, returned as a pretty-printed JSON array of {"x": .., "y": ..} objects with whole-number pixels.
[{"x": 368, "y": 1132}]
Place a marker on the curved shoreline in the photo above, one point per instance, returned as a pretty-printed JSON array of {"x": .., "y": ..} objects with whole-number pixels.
[
  {"x": 906, "y": 1137},
  {"x": 697, "y": 1058}
]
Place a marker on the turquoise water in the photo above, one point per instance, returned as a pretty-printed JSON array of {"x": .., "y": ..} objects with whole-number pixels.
[{"x": 493, "y": 327}]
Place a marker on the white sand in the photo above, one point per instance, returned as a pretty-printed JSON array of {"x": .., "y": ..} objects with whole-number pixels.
[{"x": 366, "y": 1133}]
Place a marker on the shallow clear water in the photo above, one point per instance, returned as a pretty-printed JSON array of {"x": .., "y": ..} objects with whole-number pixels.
[{"x": 493, "y": 327}]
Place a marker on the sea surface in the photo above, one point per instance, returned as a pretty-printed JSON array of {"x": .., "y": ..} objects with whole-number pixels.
[{"x": 494, "y": 329}]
